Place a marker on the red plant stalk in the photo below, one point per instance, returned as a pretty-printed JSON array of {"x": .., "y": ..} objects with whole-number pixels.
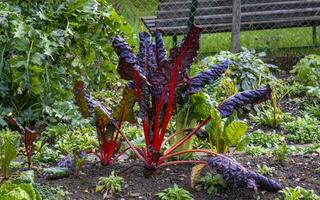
[
  {"x": 153, "y": 160},
  {"x": 107, "y": 147}
]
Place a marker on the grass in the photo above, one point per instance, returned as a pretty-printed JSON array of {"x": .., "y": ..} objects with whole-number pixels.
[{"x": 276, "y": 42}]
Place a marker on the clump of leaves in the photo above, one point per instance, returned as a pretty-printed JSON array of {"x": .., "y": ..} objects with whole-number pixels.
[
  {"x": 174, "y": 193},
  {"x": 29, "y": 136},
  {"x": 260, "y": 138},
  {"x": 76, "y": 144},
  {"x": 21, "y": 191},
  {"x": 222, "y": 135},
  {"x": 51, "y": 193},
  {"x": 236, "y": 175},
  {"x": 9, "y": 147},
  {"x": 44, "y": 46},
  {"x": 44, "y": 154},
  {"x": 211, "y": 183},
  {"x": 303, "y": 129},
  {"x": 280, "y": 153},
  {"x": 247, "y": 70},
  {"x": 110, "y": 185},
  {"x": 257, "y": 151},
  {"x": 271, "y": 115},
  {"x": 298, "y": 193},
  {"x": 307, "y": 72},
  {"x": 264, "y": 169}
]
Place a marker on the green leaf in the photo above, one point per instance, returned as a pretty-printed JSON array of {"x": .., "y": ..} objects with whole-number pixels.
[{"x": 234, "y": 131}]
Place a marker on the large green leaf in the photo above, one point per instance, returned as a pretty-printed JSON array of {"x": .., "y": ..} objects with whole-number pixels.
[
  {"x": 234, "y": 131},
  {"x": 215, "y": 130}
]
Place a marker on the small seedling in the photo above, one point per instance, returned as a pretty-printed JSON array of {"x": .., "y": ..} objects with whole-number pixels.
[
  {"x": 211, "y": 183},
  {"x": 281, "y": 153},
  {"x": 264, "y": 169},
  {"x": 110, "y": 185},
  {"x": 174, "y": 193}
]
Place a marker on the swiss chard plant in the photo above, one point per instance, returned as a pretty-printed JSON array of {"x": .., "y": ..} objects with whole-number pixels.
[
  {"x": 28, "y": 136},
  {"x": 108, "y": 125},
  {"x": 160, "y": 83},
  {"x": 222, "y": 134},
  {"x": 9, "y": 146}
]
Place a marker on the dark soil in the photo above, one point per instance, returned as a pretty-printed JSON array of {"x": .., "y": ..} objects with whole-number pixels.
[{"x": 301, "y": 171}]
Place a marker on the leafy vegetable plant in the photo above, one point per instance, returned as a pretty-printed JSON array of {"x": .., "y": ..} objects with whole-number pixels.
[
  {"x": 247, "y": 70},
  {"x": 154, "y": 83},
  {"x": 46, "y": 44},
  {"x": 236, "y": 175},
  {"x": 9, "y": 146},
  {"x": 28, "y": 136},
  {"x": 303, "y": 129},
  {"x": 264, "y": 169},
  {"x": 263, "y": 139},
  {"x": 76, "y": 144},
  {"x": 174, "y": 193},
  {"x": 211, "y": 183},
  {"x": 307, "y": 72},
  {"x": 298, "y": 193},
  {"x": 110, "y": 185},
  {"x": 21, "y": 191},
  {"x": 271, "y": 116},
  {"x": 107, "y": 124},
  {"x": 281, "y": 153}
]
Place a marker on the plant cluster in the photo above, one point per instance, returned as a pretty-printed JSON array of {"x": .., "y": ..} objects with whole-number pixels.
[
  {"x": 247, "y": 71},
  {"x": 211, "y": 183},
  {"x": 9, "y": 146},
  {"x": 307, "y": 72},
  {"x": 303, "y": 129},
  {"x": 110, "y": 185},
  {"x": 298, "y": 193},
  {"x": 76, "y": 144},
  {"x": 174, "y": 193},
  {"x": 46, "y": 44},
  {"x": 260, "y": 138}
]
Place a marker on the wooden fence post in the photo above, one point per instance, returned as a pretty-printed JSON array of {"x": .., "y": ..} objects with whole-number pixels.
[{"x": 236, "y": 26}]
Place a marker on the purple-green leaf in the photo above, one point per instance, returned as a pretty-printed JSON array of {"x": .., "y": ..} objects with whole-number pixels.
[
  {"x": 236, "y": 175},
  {"x": 244, "y": 98}
]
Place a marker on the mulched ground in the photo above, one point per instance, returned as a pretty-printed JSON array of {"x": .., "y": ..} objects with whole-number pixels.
[{"x": 296, "y": 171}]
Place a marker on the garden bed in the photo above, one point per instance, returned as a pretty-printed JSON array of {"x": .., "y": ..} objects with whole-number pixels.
[{"x": 298, "y": 170}]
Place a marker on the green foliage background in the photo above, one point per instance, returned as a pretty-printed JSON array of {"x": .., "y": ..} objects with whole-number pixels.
[{"x": 46, "y": 45}]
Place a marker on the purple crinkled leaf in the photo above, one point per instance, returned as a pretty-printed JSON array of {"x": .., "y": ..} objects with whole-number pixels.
[
  {"x": 206, "y": 77},
  {"x": 66, "y": 162},
  {"x": 185, "y": 53},
  {"x": 160, "y": 49},
  {"x": 128, "y": 62},
  {"x": 241, "y": 99},
  {"x": 146, "y": 56},
  {"x": 236, "y": 175}
]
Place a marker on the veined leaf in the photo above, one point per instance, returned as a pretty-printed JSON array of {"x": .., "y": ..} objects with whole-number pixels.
[
  {"x": 80, "y": 97},
  {"x": 206, "y": 77},
  {"x": 126, "y": 105},
  {"x": 241, "y": 99},
  {"x": 234, "y": 131},
  {"x": 184, "y": 53},
  {"x": 215, "y": 130}
]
